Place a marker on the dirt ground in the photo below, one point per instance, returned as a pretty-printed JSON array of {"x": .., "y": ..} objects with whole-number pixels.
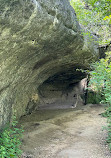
[{"x": 65, "y": 133}]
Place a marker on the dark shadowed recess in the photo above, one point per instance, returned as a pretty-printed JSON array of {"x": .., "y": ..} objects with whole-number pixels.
[{"x": 65, "y": 79}]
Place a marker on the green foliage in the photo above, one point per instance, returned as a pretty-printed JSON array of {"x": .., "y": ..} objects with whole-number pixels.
[
  {"x": 103, "y": 6},
  {"x": 95, "y": 17},
  {"x": 84, "y": 16},
  {"x": 10, "y": 141},
  {"x": 101, "y": 77},
  {"x": 101, "y": 83},
  {"x": 94, "y": 97}
]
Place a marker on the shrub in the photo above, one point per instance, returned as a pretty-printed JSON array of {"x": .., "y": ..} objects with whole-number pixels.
[
  {"x": 101, "y": 81},
  {"x": 10, "y": 141}
]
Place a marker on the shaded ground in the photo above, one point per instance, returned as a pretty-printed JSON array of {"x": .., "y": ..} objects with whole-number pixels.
[{"x": 65, "y": 133}]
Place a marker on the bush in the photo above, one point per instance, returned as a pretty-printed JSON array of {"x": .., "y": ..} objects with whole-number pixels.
[
  {"x": 10, "y": 141},
  {"x": 93, "y": 97},
  {"x": 101, "y": 81}
]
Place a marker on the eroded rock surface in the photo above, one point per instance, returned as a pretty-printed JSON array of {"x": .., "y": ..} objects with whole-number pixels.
[{"x": 38, "y": 39}]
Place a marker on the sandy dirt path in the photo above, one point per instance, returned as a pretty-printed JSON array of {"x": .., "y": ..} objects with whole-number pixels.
[{"x": 66, "y": 133}]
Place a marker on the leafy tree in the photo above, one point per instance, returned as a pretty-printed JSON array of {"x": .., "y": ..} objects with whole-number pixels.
[
  {"x": 95, "y": 17},
  {"x": 103, "y": 6}
]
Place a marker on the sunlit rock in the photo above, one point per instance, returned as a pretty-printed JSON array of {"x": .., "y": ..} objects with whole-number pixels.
[{"x": 38, "y": 40}]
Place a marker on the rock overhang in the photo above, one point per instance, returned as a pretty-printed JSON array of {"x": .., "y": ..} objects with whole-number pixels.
[{"x": 38, "y": 40}]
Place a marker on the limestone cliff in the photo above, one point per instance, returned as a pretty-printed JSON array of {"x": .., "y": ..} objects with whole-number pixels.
[{"x": 38, "y": 39}]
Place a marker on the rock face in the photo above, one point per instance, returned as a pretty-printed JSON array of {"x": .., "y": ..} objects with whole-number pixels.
[{"x": 39, "y": 41}]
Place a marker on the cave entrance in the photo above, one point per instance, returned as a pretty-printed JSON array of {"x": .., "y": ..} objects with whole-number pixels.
[{"x": 63, "y": 90}]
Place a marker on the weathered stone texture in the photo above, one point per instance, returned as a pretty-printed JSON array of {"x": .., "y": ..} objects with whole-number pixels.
[{"x": 37, "y": 40}]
